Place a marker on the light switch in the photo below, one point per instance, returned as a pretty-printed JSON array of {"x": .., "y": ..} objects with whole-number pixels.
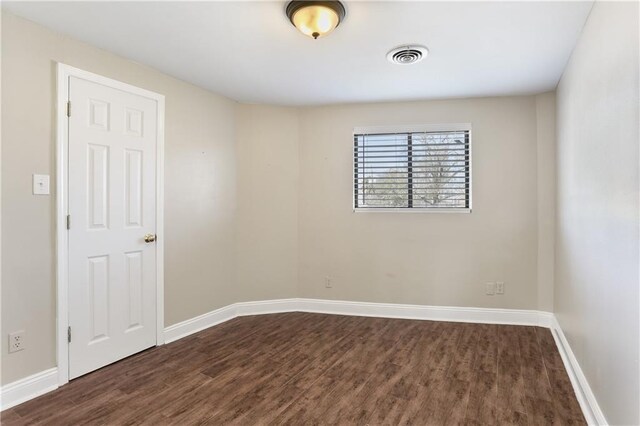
[{"x": 40, "y": 184}]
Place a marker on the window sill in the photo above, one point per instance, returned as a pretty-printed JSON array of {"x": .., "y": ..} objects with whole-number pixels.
[{"x": 412, "y": 210}]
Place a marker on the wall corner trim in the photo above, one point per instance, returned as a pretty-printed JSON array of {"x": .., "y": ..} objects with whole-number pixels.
[
  {"x": 587, "y": 400},
  {"x": 28, "y": 388}
]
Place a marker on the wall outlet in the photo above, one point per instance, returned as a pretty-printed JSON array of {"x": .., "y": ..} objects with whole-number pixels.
[
  {"x": 490, "y": 288},
  {"x": 500, "y": 287},
  {"x": 328, "y": 282},
  {"x": 16, "y": 341}
]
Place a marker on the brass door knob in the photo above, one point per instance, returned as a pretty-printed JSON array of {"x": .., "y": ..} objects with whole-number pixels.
[{"x": 149, "y": 238}]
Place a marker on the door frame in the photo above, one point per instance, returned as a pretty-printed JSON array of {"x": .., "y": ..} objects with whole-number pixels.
[{"x": 64, "y": 72}]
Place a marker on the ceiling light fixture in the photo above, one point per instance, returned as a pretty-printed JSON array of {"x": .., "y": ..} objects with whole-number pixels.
[{"x": 315, "y": 18}]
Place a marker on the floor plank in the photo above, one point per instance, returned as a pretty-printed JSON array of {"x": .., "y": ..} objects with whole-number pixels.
[{"x": 303, "y": 368}]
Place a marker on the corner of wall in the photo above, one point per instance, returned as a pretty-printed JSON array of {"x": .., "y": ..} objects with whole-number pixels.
[
  {"x": 267, "y": 216},
  {"x": 546, "y": 183}
]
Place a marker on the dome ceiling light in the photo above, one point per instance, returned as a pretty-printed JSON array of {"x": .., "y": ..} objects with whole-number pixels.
[{"x": 315, "y": 18}]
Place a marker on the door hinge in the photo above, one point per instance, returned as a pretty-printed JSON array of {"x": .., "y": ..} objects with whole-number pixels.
[
  {"x": 68, "y": 221},
  {"x": 69, "y": 334},
  {"x": 68, "y": 108}
]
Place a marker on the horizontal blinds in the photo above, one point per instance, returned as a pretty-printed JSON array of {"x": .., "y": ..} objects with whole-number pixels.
[{"x": 412, "y": 170}]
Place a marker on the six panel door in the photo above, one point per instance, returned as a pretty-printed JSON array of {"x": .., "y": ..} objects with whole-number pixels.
[{"x": 112, "y": 206}]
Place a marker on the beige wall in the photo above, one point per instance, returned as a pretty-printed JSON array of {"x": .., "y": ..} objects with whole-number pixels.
[
  {"x": 598, "y": 208},
  {"x": 423, "y": 258},
  {"x": 267, "y": 247},
  {"x": 200, "y": 192}
]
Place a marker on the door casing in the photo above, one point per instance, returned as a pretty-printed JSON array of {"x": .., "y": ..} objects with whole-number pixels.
[{"x": 64, "y": 72}]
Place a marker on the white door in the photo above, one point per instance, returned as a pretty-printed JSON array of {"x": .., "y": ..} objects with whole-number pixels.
[{"x": 112, "y": 206}]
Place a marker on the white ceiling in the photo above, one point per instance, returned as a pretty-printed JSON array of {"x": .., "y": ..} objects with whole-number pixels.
[{"x": 248, "y": 51}]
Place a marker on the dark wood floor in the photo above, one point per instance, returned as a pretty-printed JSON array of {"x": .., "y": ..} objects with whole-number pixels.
[{"x": 301, "y": 368}]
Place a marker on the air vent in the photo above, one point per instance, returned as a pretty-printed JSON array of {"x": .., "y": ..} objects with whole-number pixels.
[{"x": 407, "y": 55}]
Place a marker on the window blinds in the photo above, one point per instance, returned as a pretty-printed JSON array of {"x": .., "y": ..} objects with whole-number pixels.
[{"x": 412, "y": 170}]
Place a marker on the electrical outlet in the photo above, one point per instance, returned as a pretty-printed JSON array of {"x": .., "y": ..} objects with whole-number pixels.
[
  {"x": 16, "y": 341},
  {"x": 500, "y": 287},
  {"x": 328, "y": 282},
  {"x": 490, "y": 289}
]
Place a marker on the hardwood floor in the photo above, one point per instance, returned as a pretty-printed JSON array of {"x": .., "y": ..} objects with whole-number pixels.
[{"x": 302, "y": 368}]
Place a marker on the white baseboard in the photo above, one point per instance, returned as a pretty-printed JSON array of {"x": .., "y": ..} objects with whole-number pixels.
[
  {"x": 28, "y": 388},
  {"x": 341, "y": 307},
  {"x": 425, "y": 312},
  {"x": 587, "y": 400},
  {"x": 267, "y": 307},
  {"x": 199, "y": 323},
  {"x": 226, "y": 313}
]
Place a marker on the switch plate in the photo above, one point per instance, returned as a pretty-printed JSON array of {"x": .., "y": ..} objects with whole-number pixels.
[
  {"x": 40, "y": 184},
  {"x": 500, "y": 287},
  {"x": 490, "y": 289}
]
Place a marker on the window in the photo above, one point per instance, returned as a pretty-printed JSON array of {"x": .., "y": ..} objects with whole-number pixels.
[{"x": 426, "y": 168}]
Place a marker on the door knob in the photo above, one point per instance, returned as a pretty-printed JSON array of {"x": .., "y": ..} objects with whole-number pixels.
[{"x": 149, "y": 238}]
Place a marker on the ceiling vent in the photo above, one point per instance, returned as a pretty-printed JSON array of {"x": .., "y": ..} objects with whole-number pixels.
[{"x": 407, "y": 55}]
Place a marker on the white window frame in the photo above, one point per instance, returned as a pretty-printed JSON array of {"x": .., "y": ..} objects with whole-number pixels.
[{"x": 415, "y": 128}]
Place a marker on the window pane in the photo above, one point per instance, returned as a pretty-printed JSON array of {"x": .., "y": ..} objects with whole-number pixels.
[
  {"x": 439, "y": 170},
  {"x": 382, "y": 170}
]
